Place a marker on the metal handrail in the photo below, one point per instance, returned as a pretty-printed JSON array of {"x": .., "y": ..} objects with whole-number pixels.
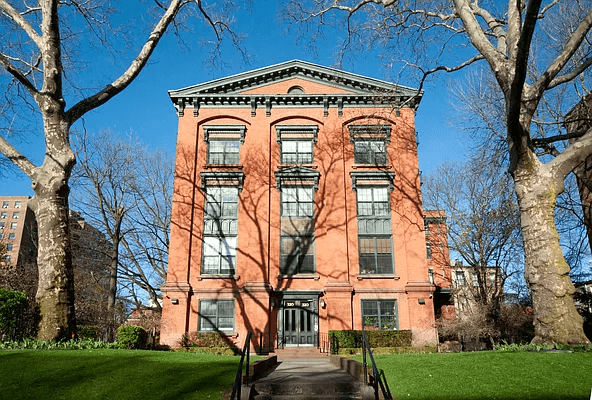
[
  {"x": 236, "y": 388},
  {"x": 379, "y": 378}
]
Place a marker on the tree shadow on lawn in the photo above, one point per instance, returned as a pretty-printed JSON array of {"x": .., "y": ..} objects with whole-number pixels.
[{"x": 105, "y": 374}]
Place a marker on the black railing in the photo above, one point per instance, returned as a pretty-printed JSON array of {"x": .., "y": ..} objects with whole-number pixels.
[
  {"x": 238, "y": 381},
  {"x": 378, "y": 378}
]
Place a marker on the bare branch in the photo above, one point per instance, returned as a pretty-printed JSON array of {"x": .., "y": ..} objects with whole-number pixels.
[
  {"x": 19, "y": 76},
  {"x": 17, "y": 158},
  {"x": 547, "y": 78},
  {"x": 17, "y": 17},
  {"x": 133, "y": 70}
]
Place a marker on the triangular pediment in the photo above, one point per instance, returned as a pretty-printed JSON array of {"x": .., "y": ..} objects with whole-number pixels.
[{"x": 288, "y": 77}]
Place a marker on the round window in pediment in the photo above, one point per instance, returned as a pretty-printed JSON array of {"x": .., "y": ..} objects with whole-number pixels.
[{"x": 296, "y": 90}]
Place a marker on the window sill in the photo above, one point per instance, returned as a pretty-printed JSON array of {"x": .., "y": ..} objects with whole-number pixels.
[
  {"x": 299, "y": 276},
  {"x": 203, "y": 276},
  {"x": 311, "y": 166},
  {"x": 224, "y": 166},
  {"x": 385, "y": 166},
  {"x": 378, "y": 276}
]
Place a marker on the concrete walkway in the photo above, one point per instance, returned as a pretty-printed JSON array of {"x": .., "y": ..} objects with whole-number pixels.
[{"x": 308, "y": 378}]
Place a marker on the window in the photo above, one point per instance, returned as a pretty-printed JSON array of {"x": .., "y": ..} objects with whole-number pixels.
[
  {"x": 219, "y": 255},
  {"x": 224, "y": 152},
  {"x": 224, "y": 143},
  {"x": 13, "y": 225},
  {"x": 1, "y": 235},
  {"x": 426, "y": 227},
  {"x": 3, "y": 214},
  {"x": 431, "y": 275},
  {"x": 374, "y": 231},
  {"x": 297, "y": 201},
  {"x": 297, "y": 143},
  {"x": 11, "y": 236},
  {"x": 17, "y": 204},
  {"x": 475, "y": 277},
  {"x": 9, "y": 247},
  {"x": 370, "y": 152},
  {"x": 2, "y": 224},
  {"x": 297, "y": 255},
  {"x": 380, "y": 314},
  {"x": 7, "y": 257},
  {"x": 297, "y": 151},
  {"x": 492, "y": 278},
  {"x": 16, "y": 215},
  {"x": 429, "y": 250},
  {"x": 216, "y": 315},
  {"x": 460, "y": 277},
  {"x": 297, "y": 237},
  {"x": 4, "y": 204},
  {"x": 370, "y": 143},
  {"x": 220, "y": 230}
]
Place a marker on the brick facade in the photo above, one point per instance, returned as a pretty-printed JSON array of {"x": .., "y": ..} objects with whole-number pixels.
[{"x": 316, "y": 224}]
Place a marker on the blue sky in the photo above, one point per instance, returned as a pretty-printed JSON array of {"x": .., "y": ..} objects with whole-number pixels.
[{"x": 145, "y": 110}]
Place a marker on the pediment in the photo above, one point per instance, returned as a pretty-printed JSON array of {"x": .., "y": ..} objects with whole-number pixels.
[{"x": 277, "y": 80}]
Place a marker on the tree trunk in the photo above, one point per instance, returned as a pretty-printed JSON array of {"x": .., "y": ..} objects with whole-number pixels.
[
  {"x": 547, "y": 274},
  {"x": 112, "y": 295},
  {"x": 55, "y": 291}
]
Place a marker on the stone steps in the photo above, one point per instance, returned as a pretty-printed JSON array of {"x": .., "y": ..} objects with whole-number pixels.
[
  {"x": 299, "y": 352},
  {"x": 309, "y": 378}
]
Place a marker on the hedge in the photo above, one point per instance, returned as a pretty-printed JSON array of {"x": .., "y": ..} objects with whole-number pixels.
[
  {"x": 209, "y": 341},
  {"x": 353, "y": 339}
]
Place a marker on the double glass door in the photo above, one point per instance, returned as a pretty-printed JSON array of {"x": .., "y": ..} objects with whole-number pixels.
[{"x": 299, "y": 323}]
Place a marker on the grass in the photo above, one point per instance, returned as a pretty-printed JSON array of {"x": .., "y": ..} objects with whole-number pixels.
[
  {"x": 114, "y": 374},
  {"x": 488, "y": 375},
  {"x": 137, "y": 374}
]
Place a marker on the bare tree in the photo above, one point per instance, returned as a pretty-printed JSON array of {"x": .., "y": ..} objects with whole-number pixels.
[
  {"x": 483, "y": 231},
  {"x": 143, "y": 266},
  {"x": 450, "y": 35},
  {"x": 483, "y": 223},
  {"x": 103, "y": 183},
  {"x": 41, "y": 50},
  {"x": 126, "y": 191}
]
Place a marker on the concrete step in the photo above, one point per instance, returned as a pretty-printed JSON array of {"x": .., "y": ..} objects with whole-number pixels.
[
  {"x": 308, "y": 378},
  {"x": 330, "y": 386},
  {"x": 299, "y": 352},
  {"x": 308, "y": 397}
]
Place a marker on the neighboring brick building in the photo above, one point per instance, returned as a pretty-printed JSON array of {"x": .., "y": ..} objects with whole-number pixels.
[
  {"x": 296, "y": 209},
  {"x": 438, "y": 256}
]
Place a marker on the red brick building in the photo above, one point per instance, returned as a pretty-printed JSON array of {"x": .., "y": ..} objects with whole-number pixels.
[{"x": 296, "y": 209}]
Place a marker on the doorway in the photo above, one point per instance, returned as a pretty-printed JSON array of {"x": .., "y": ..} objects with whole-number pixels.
[{"x": 298, "y": 322}]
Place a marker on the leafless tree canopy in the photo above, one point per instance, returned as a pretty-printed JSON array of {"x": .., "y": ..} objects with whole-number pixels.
[
  {"x": 46, "y": 51},
  {"x": 125, "y": 190},
  {"x": 532, "y": 49}
]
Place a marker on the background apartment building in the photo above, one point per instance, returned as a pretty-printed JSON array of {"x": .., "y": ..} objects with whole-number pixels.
[{"x": 90, "y": 259}]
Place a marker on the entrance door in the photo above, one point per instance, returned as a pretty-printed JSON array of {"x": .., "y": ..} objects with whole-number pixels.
[{"x": 298, "y": 323}]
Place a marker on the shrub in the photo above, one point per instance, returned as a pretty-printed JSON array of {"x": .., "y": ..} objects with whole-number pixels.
[
  {"x": 88, "y": 332},
  {"x": 210, "y": 341},
  {"x": 353, "y": 339},
  {"x": 12, "y": 304},
  {"x": 132, "y": 336},
  {"x": 35, "y": 344}
]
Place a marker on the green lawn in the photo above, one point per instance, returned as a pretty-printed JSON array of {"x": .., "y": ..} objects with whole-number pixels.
[
  {"x": 488, "y": 375},
  {"x": 136, "y": 374},
  {"x": 114, "y": 374}
]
